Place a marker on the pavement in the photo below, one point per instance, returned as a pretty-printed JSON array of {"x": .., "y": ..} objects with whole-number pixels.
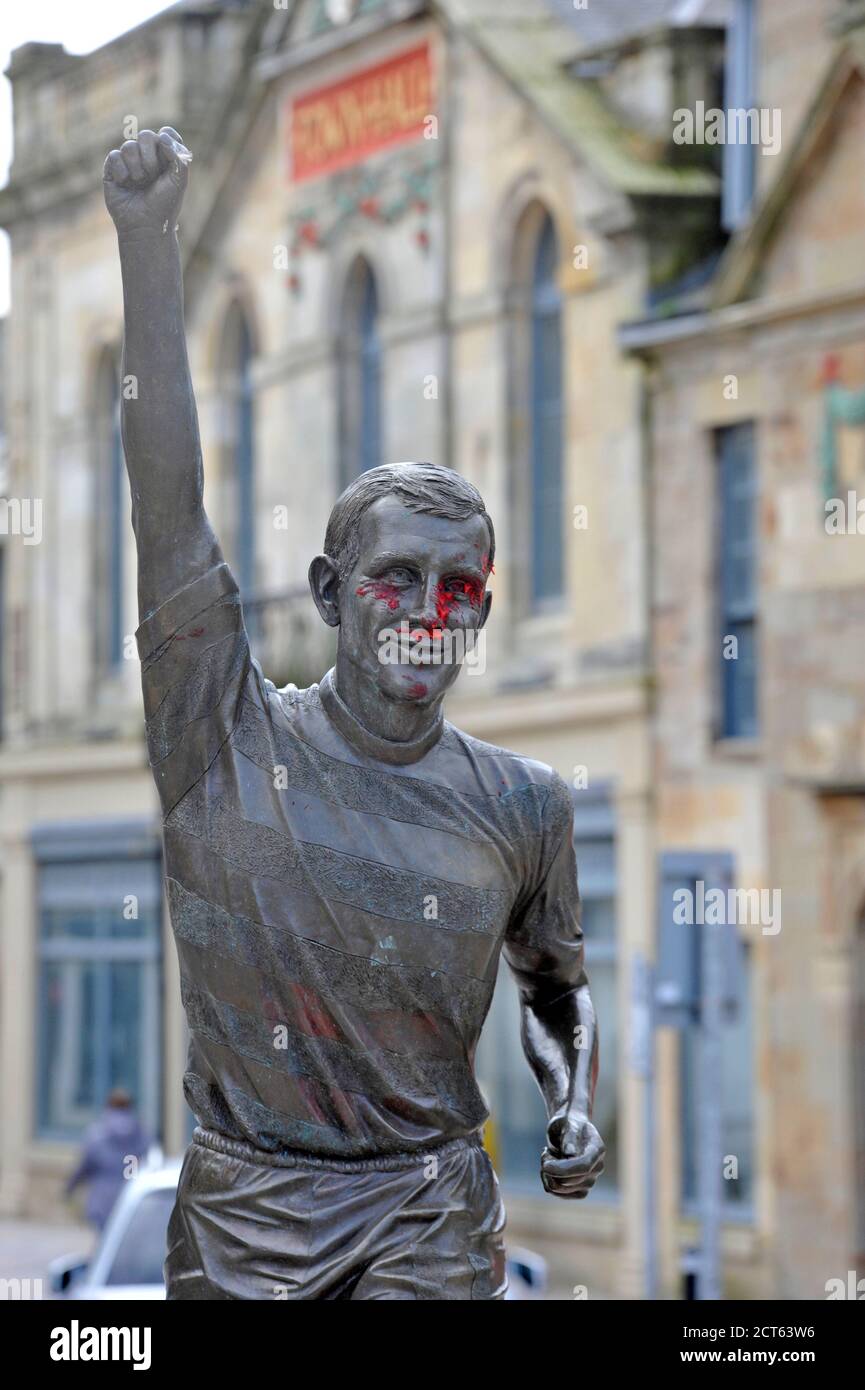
[{"x": 28, "y": 1247}]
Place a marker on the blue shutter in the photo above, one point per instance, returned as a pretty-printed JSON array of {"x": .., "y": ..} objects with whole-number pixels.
[
  {"x": 359, "y": 364},
  {"x": 370, "y": 377},
  {"x": 678, "y": 983},
  {"x": 547, "y": 423}
]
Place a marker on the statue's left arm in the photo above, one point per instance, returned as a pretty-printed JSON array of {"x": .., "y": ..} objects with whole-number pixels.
[{"x": 545, "y": 951}]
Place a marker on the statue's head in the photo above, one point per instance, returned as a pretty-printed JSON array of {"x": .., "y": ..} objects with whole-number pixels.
[{"x": 408, "y": 551}]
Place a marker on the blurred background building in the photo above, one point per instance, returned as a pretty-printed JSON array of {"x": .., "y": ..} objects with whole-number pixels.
[{"x": 465, "y": 231}]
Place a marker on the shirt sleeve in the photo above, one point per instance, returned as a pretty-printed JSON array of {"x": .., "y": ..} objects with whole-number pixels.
[
  {"x": 545, "y": 937},
  {"x": 195, "y": 666}
]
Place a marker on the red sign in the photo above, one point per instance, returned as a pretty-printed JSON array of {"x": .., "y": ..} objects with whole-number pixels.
[{"x": 339, "y": 125}]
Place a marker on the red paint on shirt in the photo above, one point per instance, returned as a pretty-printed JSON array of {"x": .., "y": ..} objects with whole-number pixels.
[
  {"x": 309, "y": 1089},
  {"x": 311, "y": 1016}
]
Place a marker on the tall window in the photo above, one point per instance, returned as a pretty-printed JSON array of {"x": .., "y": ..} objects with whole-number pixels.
[
  {"x": 547, "y": 578},
  {"x": 685, "y": 944},
  {"x": 736, "y": 1100},
  {"x": 359, "y": 375},
  {"x": 237, "y": 509},
  {"x": 99, "y": 1006},
  {"x": 737, "y": 581},
  {"x": 110, "y": 510}
]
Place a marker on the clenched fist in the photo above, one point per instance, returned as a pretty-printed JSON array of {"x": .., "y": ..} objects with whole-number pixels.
[
  {"x": 144, "y": 182},
  {"x": 574, "y": 1157}
]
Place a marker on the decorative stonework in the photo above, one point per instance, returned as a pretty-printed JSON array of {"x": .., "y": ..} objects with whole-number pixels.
[
  {"x": 383, "y": 196},
  {"x": 841, "y": 407}
]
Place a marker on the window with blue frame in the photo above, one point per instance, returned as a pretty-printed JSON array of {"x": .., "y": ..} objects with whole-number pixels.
[
  {"x": 683, "y": 959},
  {"x": 99, "y": 1000},
  {"x": 359, "y": 360},
  {"x": 736, "y": 1101},
  {"x": 518, "y": 1116},
  {"x": 547, "y": 421},
  {"x": 737, "y": 581}
]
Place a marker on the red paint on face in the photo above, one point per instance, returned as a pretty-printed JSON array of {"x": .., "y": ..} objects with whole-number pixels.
[
  {"x": 431, "y": 630},
  {"x": 417, "y": 690},
  {"x": 486, "y": 566},
  {"x": 447, "y": 599},
  {"x": 386, "y": 593}
]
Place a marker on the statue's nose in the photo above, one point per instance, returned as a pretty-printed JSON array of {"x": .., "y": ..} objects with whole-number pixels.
[{"x": 426, "y": 613}]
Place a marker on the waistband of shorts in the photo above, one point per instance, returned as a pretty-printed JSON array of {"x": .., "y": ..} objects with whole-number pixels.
[{"x": 296, "y": 1158}]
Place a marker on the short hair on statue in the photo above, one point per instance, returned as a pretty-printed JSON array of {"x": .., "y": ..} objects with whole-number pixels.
[{"x": 422, "y": 487}]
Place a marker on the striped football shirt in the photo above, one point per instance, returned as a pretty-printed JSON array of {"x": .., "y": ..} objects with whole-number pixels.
[{"x": 339, "y": 901}]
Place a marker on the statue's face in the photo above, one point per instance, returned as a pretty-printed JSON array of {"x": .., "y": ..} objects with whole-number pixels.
[{"x": 417, "y": 589}]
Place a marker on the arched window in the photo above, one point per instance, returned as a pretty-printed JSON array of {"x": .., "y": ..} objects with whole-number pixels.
[
  {"x": 547, "y": 410},
  {"x": 110, "y": 509},
  {"x": 359, "y": 375},
  {"x": 237, "y": 503}
]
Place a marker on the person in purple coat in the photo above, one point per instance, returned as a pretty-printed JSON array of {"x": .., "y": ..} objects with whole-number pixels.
[{"x": 112, "y": 1141}]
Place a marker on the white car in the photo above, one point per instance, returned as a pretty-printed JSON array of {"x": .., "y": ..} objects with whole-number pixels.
[{"x": 127, "y": 1262}]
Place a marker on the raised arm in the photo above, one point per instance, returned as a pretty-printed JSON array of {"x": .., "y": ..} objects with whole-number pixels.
[{"x": 144, "y": 183}]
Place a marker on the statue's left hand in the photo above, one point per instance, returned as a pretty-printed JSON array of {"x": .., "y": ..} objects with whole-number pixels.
[{"x": 574, "y": 1156}]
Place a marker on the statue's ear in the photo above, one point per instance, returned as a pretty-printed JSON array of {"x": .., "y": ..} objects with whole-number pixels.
[
  {"x": 485, "y": 610},
  {"x": 324, "y": 586}
]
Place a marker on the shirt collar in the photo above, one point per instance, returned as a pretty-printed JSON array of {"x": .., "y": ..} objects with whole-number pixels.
[{"x": 385, "y": 750}]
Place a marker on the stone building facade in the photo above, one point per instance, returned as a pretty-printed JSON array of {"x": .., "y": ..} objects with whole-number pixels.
[{"x": 758, "y": 605}]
